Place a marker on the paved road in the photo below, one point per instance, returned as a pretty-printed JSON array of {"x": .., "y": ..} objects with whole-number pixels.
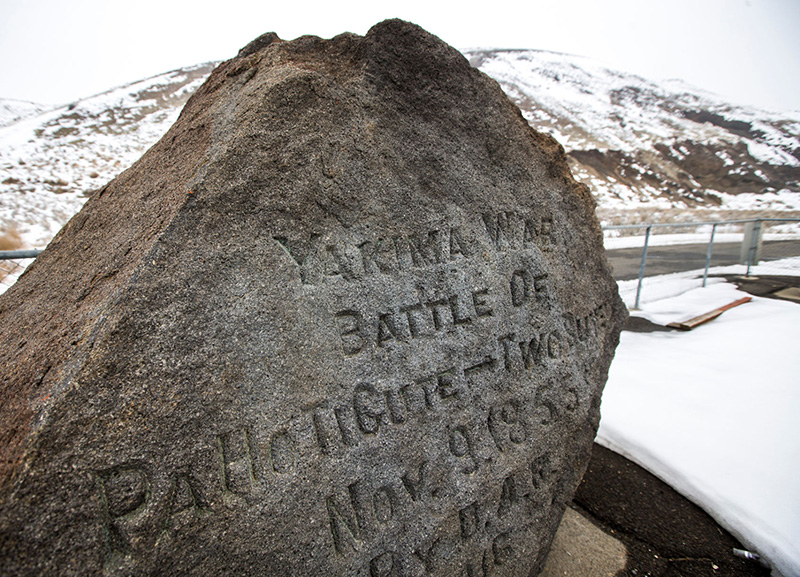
[{"x": 683, "y": 257}]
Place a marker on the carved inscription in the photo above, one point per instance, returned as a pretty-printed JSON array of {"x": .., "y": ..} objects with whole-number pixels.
[
  {"x": 249, "y": 460},
  {"x": 589, "y": 327},
  {"x": 495, "y": 527},
  {"x": 125, "y": 489},
  {"x": 487, "y": 281},
  {"x": 131, "y": 511},
  {"x": 319, "y": 260},
  {"x": 236, "y": 458},
  {"x": 411, "y": 321},
  {"x": 375, "y": 409},
  {"x": 513, "y": 231},
  {"x": 354, "y": 513},
  {"x": 526, "y": 285},
  {"x": 357, "y": 513}
]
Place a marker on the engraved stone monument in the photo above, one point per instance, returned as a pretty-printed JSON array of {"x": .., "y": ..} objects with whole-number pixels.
[{"x": 350, "y": 316}]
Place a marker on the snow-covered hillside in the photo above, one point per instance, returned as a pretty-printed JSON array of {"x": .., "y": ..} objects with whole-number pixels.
[
  {"x": 639, "y": 145},
  {"x": 50, "y": 162},
  {"x": 12, "y": 111},
  {"x": 642, "y": 143}
]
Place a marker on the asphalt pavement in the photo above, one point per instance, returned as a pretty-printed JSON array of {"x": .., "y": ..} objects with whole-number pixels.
[{"x": 683, "y": 257}]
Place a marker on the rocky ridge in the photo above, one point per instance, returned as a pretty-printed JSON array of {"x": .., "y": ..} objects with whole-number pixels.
[{"x": 639, "y": 143}]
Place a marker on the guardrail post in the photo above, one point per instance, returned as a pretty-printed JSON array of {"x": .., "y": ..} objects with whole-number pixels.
[
  {"x": 708, "y": 252},
  {"x": 642, "y": 265},
  {"x": 751, "y": 245}
]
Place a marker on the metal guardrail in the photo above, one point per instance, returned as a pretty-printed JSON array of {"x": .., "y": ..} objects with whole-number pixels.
[
  {"x": 12, "y": 264},
  {"x": 750, "y": 254},
  {"x": 18, "y": 254}
]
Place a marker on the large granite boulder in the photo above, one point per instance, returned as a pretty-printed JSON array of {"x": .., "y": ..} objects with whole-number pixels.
[{"x": 350, "y": 316}]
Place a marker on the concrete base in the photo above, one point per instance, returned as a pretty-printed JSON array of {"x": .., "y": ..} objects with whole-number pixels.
[{"x": 580, "y": 549}]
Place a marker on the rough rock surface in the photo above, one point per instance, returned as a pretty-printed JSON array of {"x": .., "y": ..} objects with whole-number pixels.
[{"x": 350, "y": 316}]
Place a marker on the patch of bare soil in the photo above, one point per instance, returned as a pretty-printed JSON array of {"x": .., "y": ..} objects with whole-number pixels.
[{"x": 665, "y": 534}]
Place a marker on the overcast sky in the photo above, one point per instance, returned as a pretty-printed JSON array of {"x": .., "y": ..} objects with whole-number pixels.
[{"x": 748, "y": 51}]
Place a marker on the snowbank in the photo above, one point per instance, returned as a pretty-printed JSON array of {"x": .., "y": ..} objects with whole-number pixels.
[{"x": 715, "y": 413}]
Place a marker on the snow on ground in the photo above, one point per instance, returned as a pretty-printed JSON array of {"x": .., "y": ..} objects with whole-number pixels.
[
  {"x": 614, "y": 239},
  {"x": 10, "y": 271},
  {"x": 613, "y": 242},
  {"x": 714, "y": 413},
  {"x": 655, "y": 288},
  {"x": 12, "y": 111},
  {"x": 780, "y": 200}
]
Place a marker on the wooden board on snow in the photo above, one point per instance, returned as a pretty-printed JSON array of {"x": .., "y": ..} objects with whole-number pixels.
[{"x": 709, "y": 316}]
